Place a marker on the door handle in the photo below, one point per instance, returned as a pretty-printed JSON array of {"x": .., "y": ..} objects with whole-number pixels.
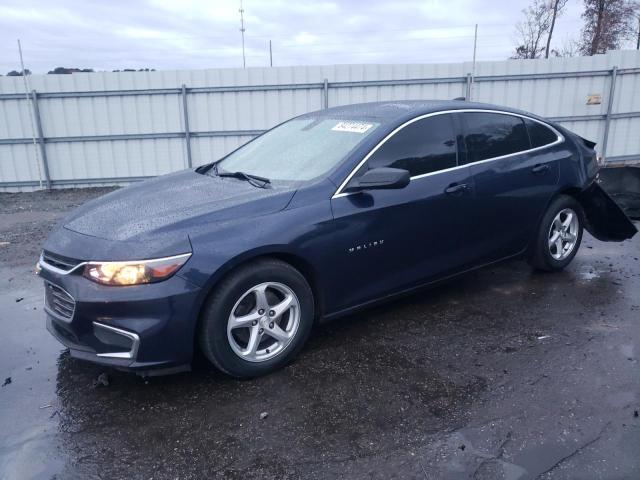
[
  {"x": 456, "y": 189},
  {"x": 540, "y": 168}
]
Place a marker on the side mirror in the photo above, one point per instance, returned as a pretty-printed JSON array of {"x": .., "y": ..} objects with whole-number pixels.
[{"x": 380, "y": 178}]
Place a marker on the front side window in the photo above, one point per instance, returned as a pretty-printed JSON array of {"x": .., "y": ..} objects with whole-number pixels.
[
  {"x": 490, "y": 135},
  {"x": 424, "y": 146},
  {"x": 539, "y": 134},
  {"x": 300, "y": 149}
]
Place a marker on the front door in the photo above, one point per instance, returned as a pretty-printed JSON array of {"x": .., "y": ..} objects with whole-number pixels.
[{"x": 390, "y": 240}]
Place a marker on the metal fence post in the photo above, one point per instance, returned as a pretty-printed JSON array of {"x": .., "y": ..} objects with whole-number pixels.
[
  {"x": 43, "y": 149},
  {"x": 467, "y": 95},
  {"x": 607, "y": 118},
  {"x": 325, "y": 90},
  {"x": 187, "y": 132}
]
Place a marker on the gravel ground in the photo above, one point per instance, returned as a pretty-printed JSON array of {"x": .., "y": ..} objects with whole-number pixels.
[
  {"x": 27, "y": 218},
  {"x": 501, "y": 374}
]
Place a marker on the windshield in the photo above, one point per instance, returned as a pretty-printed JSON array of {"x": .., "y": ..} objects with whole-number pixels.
[{"x": 298, "y": 150}]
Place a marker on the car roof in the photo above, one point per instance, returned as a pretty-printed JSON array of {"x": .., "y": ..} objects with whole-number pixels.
[{"x": 394, "y": 111}]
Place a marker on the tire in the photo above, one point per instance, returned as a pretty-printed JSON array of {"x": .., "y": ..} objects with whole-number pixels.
[
  {"x": 552, "y": 256},
  {"x": 245, "y": 337}
]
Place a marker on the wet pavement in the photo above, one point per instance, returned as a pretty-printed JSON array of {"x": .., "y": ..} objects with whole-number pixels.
[{"x": 503, "y": 373}]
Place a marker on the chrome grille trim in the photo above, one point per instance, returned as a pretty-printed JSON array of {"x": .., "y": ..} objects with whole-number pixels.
[
  {"x": 58, "y": 302},
  {"x": 53, "y": 263},
  {"x": 133, "y": 336}
]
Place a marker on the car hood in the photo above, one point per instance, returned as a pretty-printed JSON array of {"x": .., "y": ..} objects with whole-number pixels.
[{"x": 172, "y": 204}]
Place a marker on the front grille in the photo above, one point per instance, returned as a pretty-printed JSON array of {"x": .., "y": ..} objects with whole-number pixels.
[
  {"x": 59, "y": 301},
  {"x": 58, "y": 261}
]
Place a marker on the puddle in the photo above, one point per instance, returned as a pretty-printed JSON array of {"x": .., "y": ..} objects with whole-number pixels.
[
  {"x": 621, "y": 399},
  {"x": 588, "y": 273},
  {"x": 627, "y": 350}
]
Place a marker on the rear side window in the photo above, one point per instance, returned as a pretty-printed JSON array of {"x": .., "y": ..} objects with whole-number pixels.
[
  {"x": 539, "y": 134},
  {"x": 424, "y": 146},
  {"x": 490, "y": 135}
]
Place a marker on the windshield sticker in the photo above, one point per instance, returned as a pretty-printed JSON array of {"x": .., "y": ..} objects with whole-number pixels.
[{"x": 353, "y": 127}]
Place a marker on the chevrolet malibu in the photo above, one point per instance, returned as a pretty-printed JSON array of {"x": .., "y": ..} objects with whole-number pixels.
[{"x": 323, "y": 215}]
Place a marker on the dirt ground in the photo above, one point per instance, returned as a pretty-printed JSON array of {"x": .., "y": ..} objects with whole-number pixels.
[
  {"x": 27, "y": 218},
  {"x": 501, "y": 374}
]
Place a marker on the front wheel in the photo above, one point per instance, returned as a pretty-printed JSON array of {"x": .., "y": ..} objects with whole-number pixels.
[
  {"x": 257, "y": 319},
  {"x": 559, "y": 235}
]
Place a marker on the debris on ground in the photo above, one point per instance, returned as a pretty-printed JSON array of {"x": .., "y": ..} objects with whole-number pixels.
[
  {"x": 264, "y": 415},
  {"x": 635, "y": 413},
  {"x": 101, "y": 381},
  {"x": 542, "y": 337},
  {"x": 7, "y": 381},
  {"x": 19, "y": 299},
  {"x": 45, "y": 406}
]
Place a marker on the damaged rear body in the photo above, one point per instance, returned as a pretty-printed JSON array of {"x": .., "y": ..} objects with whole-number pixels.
[{"x": 605, "y": 220}]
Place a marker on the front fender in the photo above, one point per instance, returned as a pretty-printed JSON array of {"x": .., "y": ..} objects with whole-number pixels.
[{"x": 605, "y": 220}]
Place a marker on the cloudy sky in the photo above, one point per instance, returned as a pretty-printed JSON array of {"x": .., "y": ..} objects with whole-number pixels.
[{"x": 178, "y": 34}]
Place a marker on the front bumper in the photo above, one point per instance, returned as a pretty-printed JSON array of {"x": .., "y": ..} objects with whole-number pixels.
[{"x": 144, "y": 328}]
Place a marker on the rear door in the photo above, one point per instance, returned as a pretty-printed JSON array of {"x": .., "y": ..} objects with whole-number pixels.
[
  {"x": 515, "y": 168},
  {"x": 389, "y": 240}
]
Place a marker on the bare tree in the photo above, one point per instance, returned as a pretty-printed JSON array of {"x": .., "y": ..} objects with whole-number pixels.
[
  {"x": 556, "y": 7},
  {"x": 607, "y": 24},
  {"x": 636, "y": 8},
  {"x": 535, "y": 31},
  {"x": 570, "y": 48},
  {"x": 532, "y": 30}
]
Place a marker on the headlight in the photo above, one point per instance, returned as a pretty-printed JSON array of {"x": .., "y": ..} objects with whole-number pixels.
[{"x": 134, "y": 272}]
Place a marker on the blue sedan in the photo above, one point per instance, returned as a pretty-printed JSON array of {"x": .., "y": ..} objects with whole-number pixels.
[{"x": 323, "y": 215}]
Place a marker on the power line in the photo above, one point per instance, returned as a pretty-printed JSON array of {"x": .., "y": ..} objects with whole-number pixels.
[
  {"x": 48, "y": 47},
  {"x": 166, "y": 36}
]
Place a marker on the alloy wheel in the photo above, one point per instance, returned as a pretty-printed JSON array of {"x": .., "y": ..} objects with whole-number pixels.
[
  {"x": 263, "y": 322},
  {"x": 563, "y": 234}
]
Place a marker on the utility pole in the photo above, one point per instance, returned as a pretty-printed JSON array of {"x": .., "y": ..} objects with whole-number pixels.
[
  {"x": 242, "y": 29},
  {"x": 473, "y": 66},
  {"x": 30, "y": 109},
  {"x": 271, "y": 55}
]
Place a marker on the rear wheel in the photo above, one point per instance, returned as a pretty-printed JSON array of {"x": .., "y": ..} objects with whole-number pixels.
[
  {"x": 559, "y": 235},
  {"x": 258, "y": 319}
]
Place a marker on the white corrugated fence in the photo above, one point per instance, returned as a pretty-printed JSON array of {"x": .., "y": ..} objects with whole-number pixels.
[{"x": 114, "y": 128}]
